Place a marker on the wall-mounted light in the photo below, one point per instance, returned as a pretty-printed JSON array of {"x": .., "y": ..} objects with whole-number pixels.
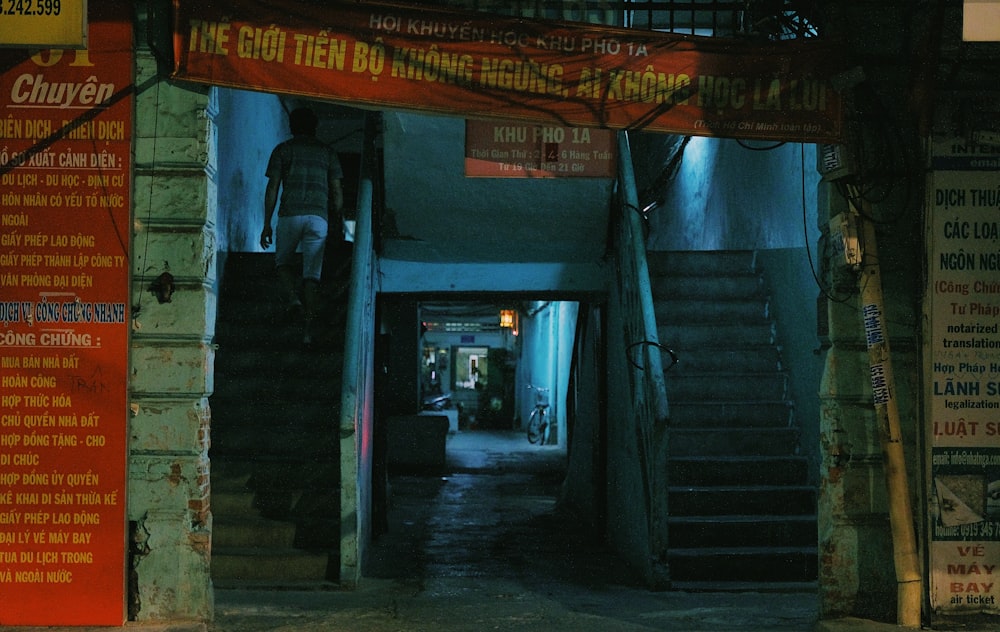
[{"x": 507, "y": 318}]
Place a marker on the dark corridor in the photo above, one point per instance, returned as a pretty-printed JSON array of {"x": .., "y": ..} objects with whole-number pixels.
[{"x": 494, "y": 512}]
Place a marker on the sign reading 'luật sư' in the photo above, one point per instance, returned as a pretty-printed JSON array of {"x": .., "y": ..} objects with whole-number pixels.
[{"x": 483, "y": 66}]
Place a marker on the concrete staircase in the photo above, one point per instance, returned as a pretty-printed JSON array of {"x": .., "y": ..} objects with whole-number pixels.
[
  {"x": 275, "y": 453},
  {"x": 742, "y": 509}
]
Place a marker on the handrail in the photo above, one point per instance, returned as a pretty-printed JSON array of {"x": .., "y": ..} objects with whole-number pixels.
[
  {"x": 648, "y": 397},
  {"x": 356, "y": 398},
  {"x": 632, "y": 251}
]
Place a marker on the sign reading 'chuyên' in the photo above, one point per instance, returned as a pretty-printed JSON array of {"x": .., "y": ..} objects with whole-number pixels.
[
  {"x": 483, "y": 66},
  {"x": 65, "y": 199}
]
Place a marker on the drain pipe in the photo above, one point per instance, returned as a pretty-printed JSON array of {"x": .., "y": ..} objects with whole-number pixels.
[{"x": 908, "y": 578}]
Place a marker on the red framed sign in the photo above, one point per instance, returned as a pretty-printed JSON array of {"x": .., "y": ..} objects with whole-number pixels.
[{"x": 65, "y": 170}]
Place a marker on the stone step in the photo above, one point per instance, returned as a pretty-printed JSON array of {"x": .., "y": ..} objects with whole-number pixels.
[
  {"x": 249, "y": 532},
  {"x": 232, "y": 502},
  {"x": 722, "y": 289},
  {"x": 264, "y": 564},
  {"x": 702, "y": 470},
  {"x": 745, "y": 564},
  {"x": 694, "y": 309},
  {"x": 743, "y": 531},
  {"x": 734, "y": 441},
  {"x": 289, "y": 387},
  {"x": 275, "y": 447},
  {"x": 704, "y": 359},
  {"x": 700, "y": 262},
  {"x": 280, "y": 360},
  {"x": 289, "y": 442},
  {"x": 728, "y": 500},
  {"x": 709, "y": 336},
  {"x": 744, "y": 387},
  {"x": 742, "y": 511},
  {"x": 715, "y": 413}
]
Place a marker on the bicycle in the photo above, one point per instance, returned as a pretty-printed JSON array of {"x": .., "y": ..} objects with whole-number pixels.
[{"x": 538, "y": 423}]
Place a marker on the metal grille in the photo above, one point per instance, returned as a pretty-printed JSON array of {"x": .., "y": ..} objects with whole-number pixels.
[{"x": 762, "y": 19}]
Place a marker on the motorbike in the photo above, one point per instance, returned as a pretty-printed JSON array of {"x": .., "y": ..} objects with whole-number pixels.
[{"x": 439, "y": 401}]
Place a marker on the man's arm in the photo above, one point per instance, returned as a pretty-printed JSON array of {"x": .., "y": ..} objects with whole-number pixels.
[
  {"x": 336, "y": 194},
  {"x": 270, "y": 202}
]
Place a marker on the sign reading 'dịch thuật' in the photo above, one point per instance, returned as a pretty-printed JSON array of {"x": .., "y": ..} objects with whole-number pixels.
[
  {"x": 963, "y": 398},
  {"x": 514, "y": 149},
  {"x": 43, "y": 23},
  {"x": 65, "y": 169},
  {"x": 477, "y": 65}
]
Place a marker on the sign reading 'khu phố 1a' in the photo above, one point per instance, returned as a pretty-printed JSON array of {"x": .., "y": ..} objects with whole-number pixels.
[
  {"x": 484, "y": 66},
  {"x": 65, "y": 200}
]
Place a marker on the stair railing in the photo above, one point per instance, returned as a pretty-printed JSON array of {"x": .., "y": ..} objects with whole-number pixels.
[
  {"x": 356, "y": 397},
  {"x": 648, "y": 396}
]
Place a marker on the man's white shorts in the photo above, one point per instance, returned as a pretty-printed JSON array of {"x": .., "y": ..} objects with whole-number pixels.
[{"x": 301, "y": 232}]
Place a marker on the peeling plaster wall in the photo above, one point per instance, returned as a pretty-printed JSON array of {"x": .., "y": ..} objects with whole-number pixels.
[
  {"x": 171, "y": 353},
  {"x": 857, "y": 576}
]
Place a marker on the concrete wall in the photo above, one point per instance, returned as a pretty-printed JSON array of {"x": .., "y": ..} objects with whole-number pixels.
[
  {"x": 547, "y": 332},
  {"x": 794, "y": 292},
  {"x": 725, "y": 196},
  {"x": 249, "y": 126}
]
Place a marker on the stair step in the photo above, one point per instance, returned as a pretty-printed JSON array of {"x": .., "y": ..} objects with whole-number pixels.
[
  {"x": 704, "y": 262},
  {"x": 736, "y": 470},
  {"x": 251, "y": 532},
  {"x": 743, "y": 530},
  {"x": 275, "y": 445},
  {"x": 232, "y": 502},
  {"x": 742, "y": 511},
  {"x": 277, "y": 359},
  {"x": 743, "y": 310},
  {"x": 721, "y": 500},
  {"x": 723, "y": 288},
  {"x": 745, "y": 563},
  {"x": 728, "y": 441},
  {"x": 724, "y": 585},
  {"x": 731, "y": 413},
  {"x": 745, "y": 387},
  {"x": 264, "y": 419},
  {"x": 706, "y": 359},
  {"x": 280, "y": 442},
  {"x": 257, "y": 564},
  {"x": 715, "y": 335}
]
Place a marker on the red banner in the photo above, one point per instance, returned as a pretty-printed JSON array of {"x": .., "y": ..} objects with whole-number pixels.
[
  {"x": 483, "y": 66},
  {"x": 65, "y": 170}
]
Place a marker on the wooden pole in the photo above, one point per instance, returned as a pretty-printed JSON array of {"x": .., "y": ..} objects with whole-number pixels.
[{"x": 907, "y": 564}]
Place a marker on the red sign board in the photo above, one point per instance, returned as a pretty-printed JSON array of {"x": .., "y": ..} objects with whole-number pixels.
[
  {"x": 484, "y": 66},
  {"x": 65, "y": 197},
  {"x": 506, "y": 149}
]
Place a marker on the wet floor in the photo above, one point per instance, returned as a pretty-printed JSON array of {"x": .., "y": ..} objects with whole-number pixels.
[{"x": 486, "y": 546}]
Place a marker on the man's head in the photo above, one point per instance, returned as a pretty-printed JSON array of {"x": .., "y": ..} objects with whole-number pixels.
[{"x": 303, "y": 121}]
